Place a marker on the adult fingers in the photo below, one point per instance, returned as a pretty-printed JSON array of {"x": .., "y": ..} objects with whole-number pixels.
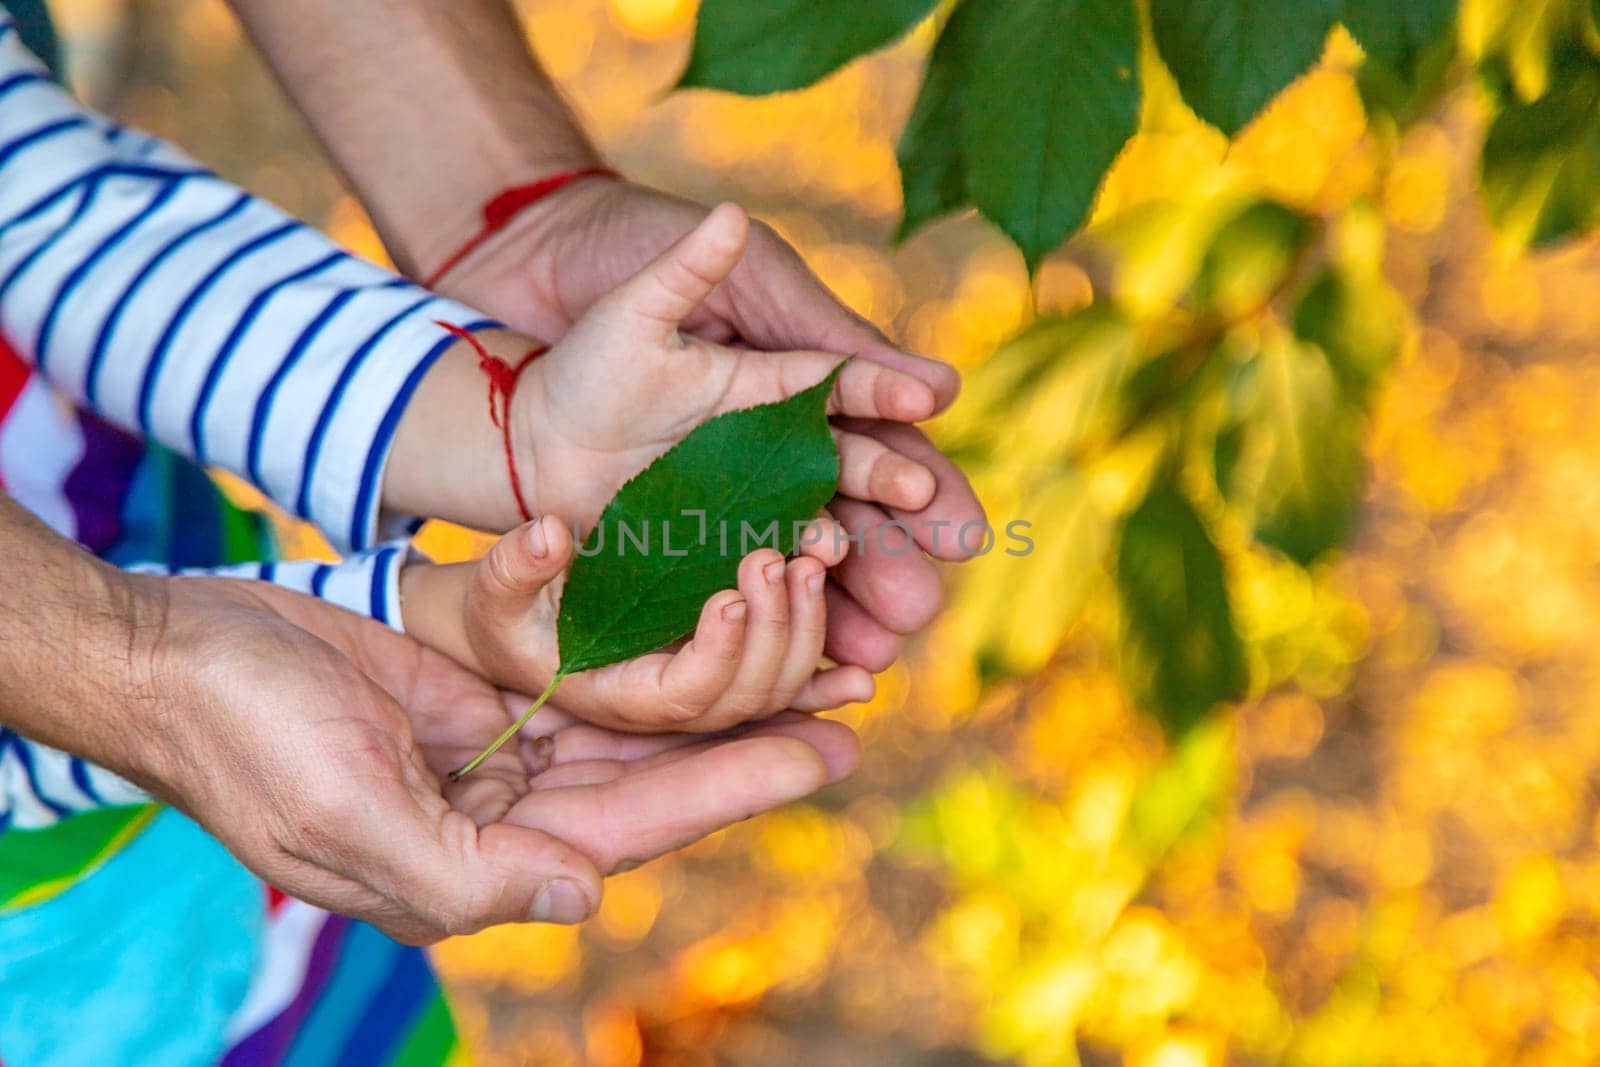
[
  {"x": 399, "y": 837},
  {"x": 855, "y": 637},
  {"x": 886, "y": 573},
  {"x": 952, "y": 506},
  {"x": 780, "y": 303},
  {"x": 643, "y": 814},
  {"x": 835, "y": 742}
]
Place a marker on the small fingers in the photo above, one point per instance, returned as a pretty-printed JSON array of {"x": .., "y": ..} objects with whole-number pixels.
[
  {"x": 871, "y": 470},
  {"x": 766, "y": 641},
  {"x": 808, "y": 629},
  {"x": 823, "y": 540},
  {"x": 863, "y": 388},
  {"x": 835, "y": 688},
  {"x": 519, "y": 566},
  {"x": 872, "y": 390},
  {"x": 674, "y": 284},
  {"x": 702, "y": 670}
]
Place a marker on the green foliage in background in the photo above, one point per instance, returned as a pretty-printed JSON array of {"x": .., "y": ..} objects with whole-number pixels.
[{"x": 1167, "y": 444}]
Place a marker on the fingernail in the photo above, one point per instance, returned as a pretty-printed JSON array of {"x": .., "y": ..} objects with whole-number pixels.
[
  {"x": 560, "y": 901},
  {"x": 773, "y": 572},
  {"x": 734, "y": 612},
  {"x": 814, "y": 583},
  {"x": 537, "y": 544}
]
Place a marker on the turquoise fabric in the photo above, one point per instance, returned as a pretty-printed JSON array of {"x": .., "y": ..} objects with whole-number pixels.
[{"x": 155, "y": 952}]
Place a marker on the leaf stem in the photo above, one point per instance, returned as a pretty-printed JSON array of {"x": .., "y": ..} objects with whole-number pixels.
[{"x": 472, "y": 764}]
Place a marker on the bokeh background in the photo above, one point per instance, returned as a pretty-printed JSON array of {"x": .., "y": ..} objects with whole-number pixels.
[{"x": 1386, "y": 855}]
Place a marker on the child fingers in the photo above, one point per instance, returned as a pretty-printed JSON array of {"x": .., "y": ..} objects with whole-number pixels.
[
  {"x": 520, "y": 565},
  {"x": 702, "y": 670},
  {"x": 873, "y": 391},
  {"x": 834, "y": 688},
  {"x": 871, "y": 470},
  {"x": 766, "y": 640},
  {"x": 808, "y": 628},
  {"x": 667, "y": 690},
  {"x": 670, "y": 287},
  {"x": 823, "y": 540}
]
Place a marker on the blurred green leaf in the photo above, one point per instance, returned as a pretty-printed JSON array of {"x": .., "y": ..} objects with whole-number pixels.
[
  {"x": 1396, "y": 33},
  {"x": 1056, "y": 388},
  {"x": 931, "y": 176},
  {"x": 1180, "y": 651},
  {"x": 1250, "y": 257},
  {"x": 1359, "y": 323},
  {"x": 1048, "y": 100},
  {"x": 779, "y": 45},
  {"x": 1183, "y": 790},
  {"x": 1230, "y": 57},
  {"x": 1298, "y": 456},
  {"x": 1017, "y": 626},
  {"x": 1541, "y": 160}
]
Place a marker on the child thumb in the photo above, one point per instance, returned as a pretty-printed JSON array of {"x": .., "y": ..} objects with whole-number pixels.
[
  {"x": 673, "y": 284},
  {"x": 520, "y": 564}
]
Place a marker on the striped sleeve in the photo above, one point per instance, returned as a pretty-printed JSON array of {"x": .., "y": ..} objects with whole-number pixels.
[
  {"x": 40, "y": 785},
  {"x": 183, "y": 309}
]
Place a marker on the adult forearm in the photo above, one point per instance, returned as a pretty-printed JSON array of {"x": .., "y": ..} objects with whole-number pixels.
[
  {"x": 429, "y": 108},
  {"x": 76, "y": 640}
]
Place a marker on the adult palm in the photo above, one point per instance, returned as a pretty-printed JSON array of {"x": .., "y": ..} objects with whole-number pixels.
[{"x": 314, "y": 743}]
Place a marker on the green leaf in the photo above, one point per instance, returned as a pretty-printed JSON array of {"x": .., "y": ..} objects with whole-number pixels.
[
  {"x": 1180, "y": 651},
  {"x": 1357, "y": 322},
  {"x": 766, "y": 465},
  {"x": 1250, "y": 257},
  {"x": 778, "y": 45},
  {"x": 1396, "y": 32},
  {"x": 1541, "y": 160},
  {"x": 1050, "y": 96},
  {"x": 932, "y": 178},
  {"x": 1299, "y": 460},
  {"x": 675, "y": 533},
  {"x": 1230, "y": 57}
]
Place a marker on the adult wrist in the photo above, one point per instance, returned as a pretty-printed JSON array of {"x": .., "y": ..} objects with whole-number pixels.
[
  {"x": 79, "y": 677},
  {"x": 442, "y": 242}
]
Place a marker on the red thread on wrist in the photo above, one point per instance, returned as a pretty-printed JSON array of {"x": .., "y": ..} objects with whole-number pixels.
[
  {"x": 507, "y": 205},
  {"x": 503, "y": 378}
]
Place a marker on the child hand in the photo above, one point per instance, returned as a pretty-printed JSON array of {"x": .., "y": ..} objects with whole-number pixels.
[
  {"x": 625, "y": 384},
  {"x": 755, "y": 652}
]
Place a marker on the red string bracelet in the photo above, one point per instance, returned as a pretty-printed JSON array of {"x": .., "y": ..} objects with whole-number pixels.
[
  {"x": 503, "y": 379},
  {"x": 507, "y": 205}
]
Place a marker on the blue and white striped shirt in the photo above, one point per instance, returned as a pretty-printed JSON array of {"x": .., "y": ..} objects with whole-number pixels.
[{"x": 145, "y": 288}]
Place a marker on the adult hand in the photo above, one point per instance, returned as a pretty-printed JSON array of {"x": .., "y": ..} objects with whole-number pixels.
[
  {"x": 556, "y": 259},
  {"x": 313, "y": 743}
]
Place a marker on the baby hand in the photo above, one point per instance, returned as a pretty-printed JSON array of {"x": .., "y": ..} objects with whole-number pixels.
[{"x": 756, "y": 650}]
